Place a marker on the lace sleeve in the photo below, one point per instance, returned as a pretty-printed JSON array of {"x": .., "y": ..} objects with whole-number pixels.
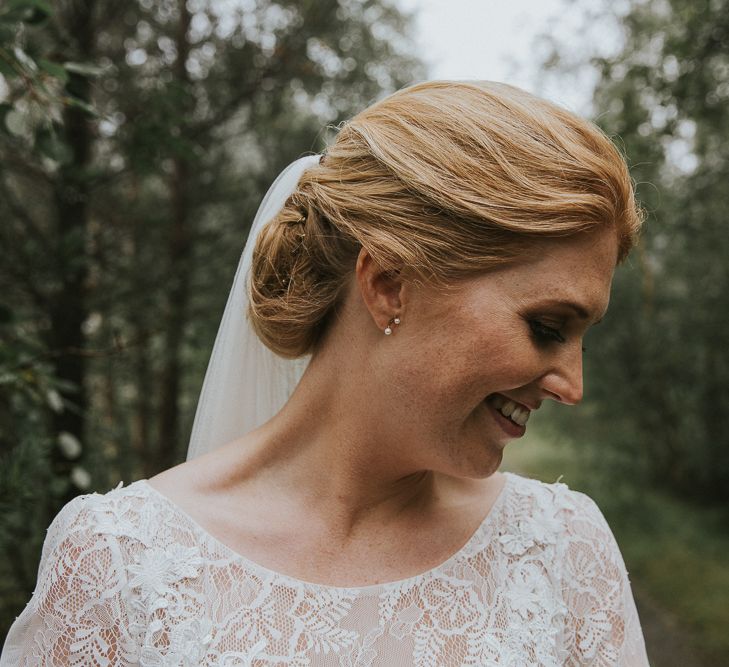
[
  {"x": 602, "y": 624},
  {"x": 76, "y": 615}
]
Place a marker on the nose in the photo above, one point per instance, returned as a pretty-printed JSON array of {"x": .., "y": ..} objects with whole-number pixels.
[{"x": 563, "y": 381}]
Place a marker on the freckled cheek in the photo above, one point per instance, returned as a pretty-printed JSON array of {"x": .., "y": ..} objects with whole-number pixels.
[
  {"x": 502, "y": 365},
  {"x": 440, "y": 377},
  {"x": 439, "y": 373},
  {"x": 430, "y": 376}
]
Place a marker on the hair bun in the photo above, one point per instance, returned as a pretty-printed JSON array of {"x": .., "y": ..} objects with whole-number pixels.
[{"x": 444, "y": 178}]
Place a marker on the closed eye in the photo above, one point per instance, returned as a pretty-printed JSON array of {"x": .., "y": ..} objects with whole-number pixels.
[{"x": 543, "y": 333}]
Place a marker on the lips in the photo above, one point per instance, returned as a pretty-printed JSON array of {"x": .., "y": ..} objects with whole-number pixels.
[
  {"x": 509, "y": 413},
  {"x": 511, "y": 428}
]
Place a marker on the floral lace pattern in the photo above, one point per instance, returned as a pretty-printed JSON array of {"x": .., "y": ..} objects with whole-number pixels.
[{"x": 127, "y": 578}]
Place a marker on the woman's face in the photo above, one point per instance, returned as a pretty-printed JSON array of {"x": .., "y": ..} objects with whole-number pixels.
[{"x": 510, "y": 337}]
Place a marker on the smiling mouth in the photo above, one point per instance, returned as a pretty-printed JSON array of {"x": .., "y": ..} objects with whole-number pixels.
[
  {"x": 512, "y": 410},
  {"x": 508, "y": 426}
]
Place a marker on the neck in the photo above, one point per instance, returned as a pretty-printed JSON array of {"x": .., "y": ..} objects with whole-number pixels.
[{"x": 329, "y": 449}]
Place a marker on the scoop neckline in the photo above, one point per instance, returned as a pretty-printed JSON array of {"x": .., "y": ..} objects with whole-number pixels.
[{"x": 302, "y": 583}]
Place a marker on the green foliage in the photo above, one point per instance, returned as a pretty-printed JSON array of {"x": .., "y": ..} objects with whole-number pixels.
[
  {"x": 25, "y": 11},
  {"x": 36, "y": 84},
  {"x": 690, "y": 577},
  {"x": 29, "y": 392},
  {"x": 137, "y": 140},
  {"x": 657, "y": 368}
]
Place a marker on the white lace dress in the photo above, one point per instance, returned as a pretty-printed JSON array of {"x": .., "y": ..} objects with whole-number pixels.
[{"x": 127, "y": 578}]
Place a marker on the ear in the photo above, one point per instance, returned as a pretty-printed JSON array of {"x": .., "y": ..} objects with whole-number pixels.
[{"x": 383, "y": 292}]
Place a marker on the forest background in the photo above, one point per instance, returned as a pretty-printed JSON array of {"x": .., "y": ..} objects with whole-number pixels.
[{"x": 136, "y": 141}]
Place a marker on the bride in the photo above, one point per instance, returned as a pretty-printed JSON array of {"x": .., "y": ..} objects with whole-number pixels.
[{"x": 403, "y": 304}]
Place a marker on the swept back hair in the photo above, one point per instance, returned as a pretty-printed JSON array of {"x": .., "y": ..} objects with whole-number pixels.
[{"x": 443, "y": 179}]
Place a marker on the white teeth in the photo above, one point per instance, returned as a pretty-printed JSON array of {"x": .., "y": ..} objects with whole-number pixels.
[
  {"x": 520, "y": 416},
  {"x": 508, "y": 408}
]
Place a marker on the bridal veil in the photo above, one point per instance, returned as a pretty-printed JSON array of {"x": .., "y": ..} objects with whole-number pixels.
[{"x": 246, "y": 383}]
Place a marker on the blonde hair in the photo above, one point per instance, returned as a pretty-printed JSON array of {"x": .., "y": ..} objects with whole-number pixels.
[{"x": 444, "y": 178}]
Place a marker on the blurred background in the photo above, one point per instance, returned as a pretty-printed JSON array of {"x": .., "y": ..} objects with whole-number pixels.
[{"x": 137, "y": 139}]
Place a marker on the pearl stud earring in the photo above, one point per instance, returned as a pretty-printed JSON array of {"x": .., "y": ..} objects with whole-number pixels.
[{"x": 388, "y": 330}]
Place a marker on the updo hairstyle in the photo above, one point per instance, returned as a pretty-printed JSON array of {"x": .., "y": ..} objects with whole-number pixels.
[{"x": 444, "y": 180}]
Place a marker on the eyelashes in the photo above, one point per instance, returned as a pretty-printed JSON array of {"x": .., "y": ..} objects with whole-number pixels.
[{"x": 544, "y": 334}]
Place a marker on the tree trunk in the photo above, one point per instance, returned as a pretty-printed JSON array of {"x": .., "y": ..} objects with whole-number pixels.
[
  {"x": 179, "y": 255},
  {"x": 142, "y": 409},
  {"x": 68, "y": 302}
]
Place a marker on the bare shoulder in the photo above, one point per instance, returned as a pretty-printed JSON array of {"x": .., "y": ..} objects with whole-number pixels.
[
  {"x": 209, "y": 490},
  {"x": 195, "y": 483}
]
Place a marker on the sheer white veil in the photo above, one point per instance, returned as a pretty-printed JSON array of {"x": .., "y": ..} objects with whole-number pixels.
[{"x": 245, "y": 383}]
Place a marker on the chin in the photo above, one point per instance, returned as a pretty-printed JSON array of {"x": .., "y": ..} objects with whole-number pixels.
[{"x": 480, "y": 467}]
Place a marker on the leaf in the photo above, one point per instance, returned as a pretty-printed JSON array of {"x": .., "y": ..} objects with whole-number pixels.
[
  {"x": 6, "y": 68},
  {"x": 24, "y": 59},
  {"x": 76, "y": 102},
  {"x": 32, "y": 10},
  {"x": 51, "y": 145},
  {"x": 54, "y": 400},
  {"x": 36, "y": 17},
  {"x": 54, "y": 69},
  {"x": 14, "y": 16},
  {"x": 16, "y": 122},
  {"x": 8, "y": 33},
  {"x": 30, "y": 4},
  {"x": 84, "y": 69}
]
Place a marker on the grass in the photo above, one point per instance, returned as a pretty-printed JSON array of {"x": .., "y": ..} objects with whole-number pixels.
[{"x": 677, "y": 552}]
